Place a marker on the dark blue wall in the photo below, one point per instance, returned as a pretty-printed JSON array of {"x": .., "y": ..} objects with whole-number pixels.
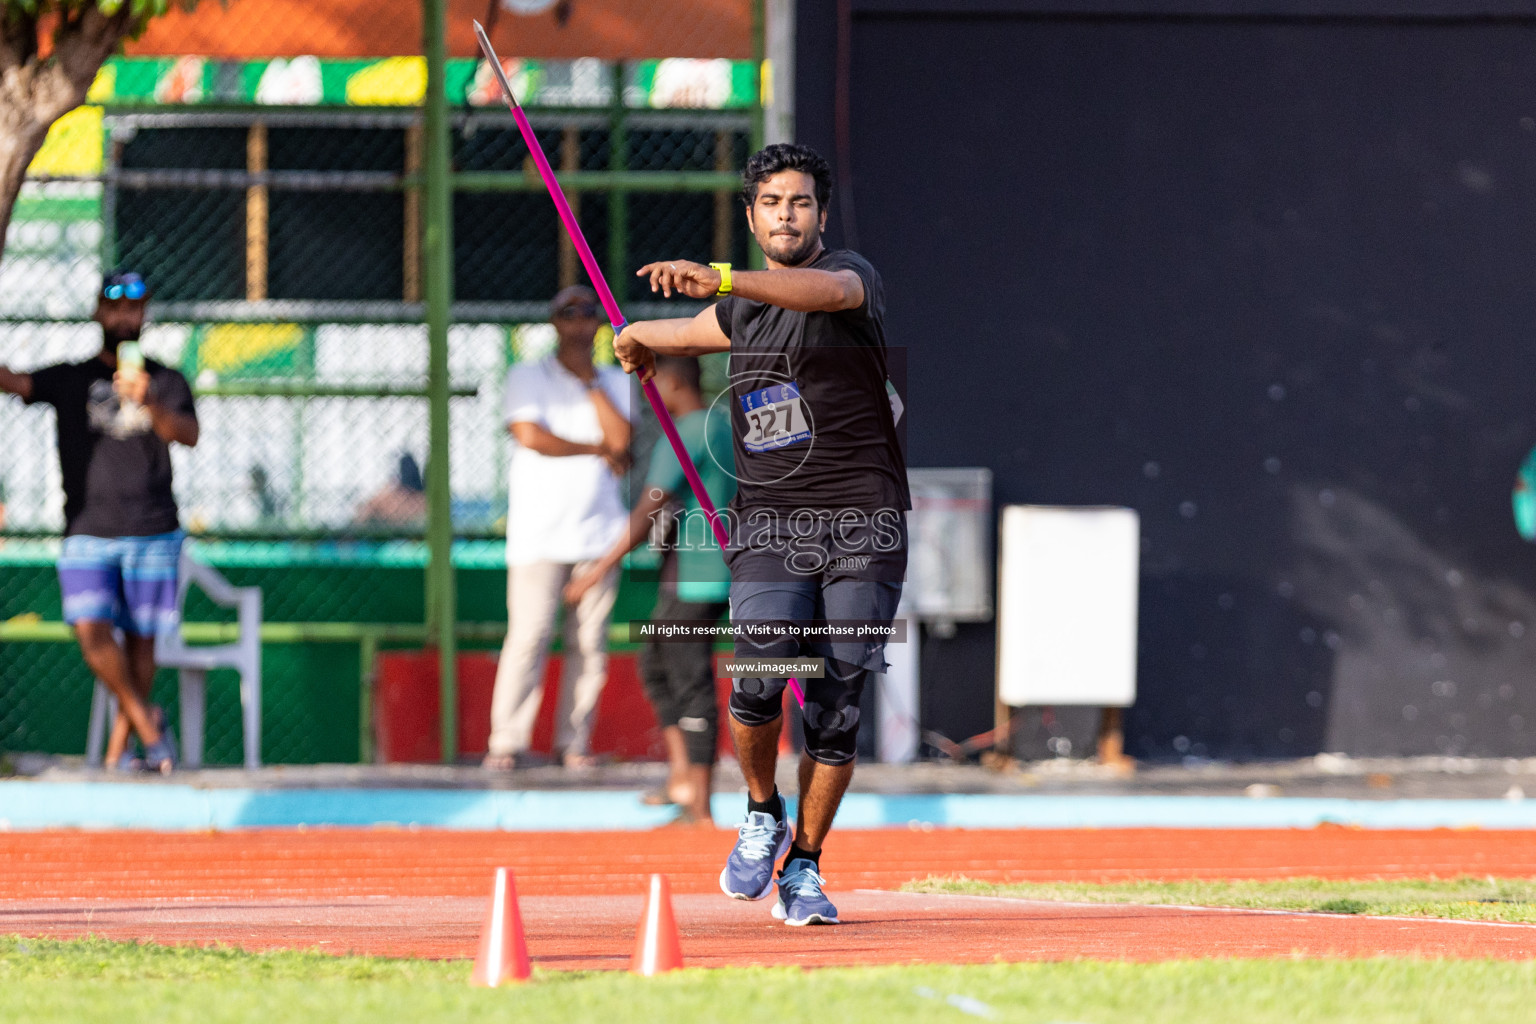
[{"x": 1270, "y": 281}]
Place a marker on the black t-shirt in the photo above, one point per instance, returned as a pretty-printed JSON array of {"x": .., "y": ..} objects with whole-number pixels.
[
  {"x": 812, "y": 417},
  {"x": 117, "y": 471}
]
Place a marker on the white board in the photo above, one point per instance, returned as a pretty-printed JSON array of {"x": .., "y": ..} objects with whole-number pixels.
[{"x": 1067, "y": 601}]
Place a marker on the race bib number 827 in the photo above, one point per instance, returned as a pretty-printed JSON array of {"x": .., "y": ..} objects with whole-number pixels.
[{"x": 775, "y": 418}]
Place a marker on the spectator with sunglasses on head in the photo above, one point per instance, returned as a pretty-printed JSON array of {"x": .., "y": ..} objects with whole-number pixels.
[
  {"x": 117, "y": 415},
  {"x": 570, "y": 426}
]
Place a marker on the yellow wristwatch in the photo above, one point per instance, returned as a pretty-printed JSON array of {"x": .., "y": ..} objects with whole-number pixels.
[{"x": 725, "y": 277}]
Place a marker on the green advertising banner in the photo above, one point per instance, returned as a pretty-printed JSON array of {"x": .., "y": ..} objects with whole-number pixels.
[{"x": 670, "y": 83}]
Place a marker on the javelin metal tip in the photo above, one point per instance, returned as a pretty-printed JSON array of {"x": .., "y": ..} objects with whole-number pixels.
[{"x": 496, "y": 68}]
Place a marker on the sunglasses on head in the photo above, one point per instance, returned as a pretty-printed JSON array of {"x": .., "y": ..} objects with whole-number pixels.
[
  {"x": 578, "y": 309},
  {"x": 129, "y": 286}
]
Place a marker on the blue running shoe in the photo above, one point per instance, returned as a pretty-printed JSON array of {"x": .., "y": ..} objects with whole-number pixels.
[
  {"x": 760, "y": 842},
  {"x": 801, "y": 901}
]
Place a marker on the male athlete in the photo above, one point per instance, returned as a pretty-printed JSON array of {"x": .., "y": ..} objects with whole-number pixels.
[{"x": 818, "y": 524}]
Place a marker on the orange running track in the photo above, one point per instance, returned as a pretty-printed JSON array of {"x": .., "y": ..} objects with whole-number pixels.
[{"x": 409, "y": 893}]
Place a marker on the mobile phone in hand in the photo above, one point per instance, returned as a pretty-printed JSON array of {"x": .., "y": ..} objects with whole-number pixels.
[{"x": 130, "y": 358}]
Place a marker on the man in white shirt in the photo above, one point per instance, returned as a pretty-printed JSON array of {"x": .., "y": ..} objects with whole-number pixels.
[{"x": 569, "y": 421}]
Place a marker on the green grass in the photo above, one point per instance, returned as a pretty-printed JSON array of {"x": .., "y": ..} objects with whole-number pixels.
[
  {"x": 1475, "y": 899},
  {"x": 93, "y": 980}
]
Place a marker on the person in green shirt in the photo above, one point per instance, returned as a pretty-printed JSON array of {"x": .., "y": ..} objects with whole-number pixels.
[{"x": 679, "y": 676}]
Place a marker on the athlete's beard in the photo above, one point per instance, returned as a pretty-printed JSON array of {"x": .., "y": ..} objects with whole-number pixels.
[{"x": 790, "y": 251}]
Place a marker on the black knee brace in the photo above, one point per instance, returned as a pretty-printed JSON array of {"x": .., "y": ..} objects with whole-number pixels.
[
  {"x": 831, "y": 708},
  {"x": 756, "y": 701},
  {"x": 832, "y": 712}
]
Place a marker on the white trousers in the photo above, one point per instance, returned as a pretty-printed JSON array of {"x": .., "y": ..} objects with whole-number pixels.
[{"x": 533, "y": 602}]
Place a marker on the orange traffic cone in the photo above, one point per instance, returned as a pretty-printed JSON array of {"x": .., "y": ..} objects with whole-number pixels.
[
  {"x": 656, "y": 947},
  {"x": 503, "y": 949}
]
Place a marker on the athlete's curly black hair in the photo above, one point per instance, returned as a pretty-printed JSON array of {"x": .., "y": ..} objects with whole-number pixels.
[{"x": 786, "y": 156}]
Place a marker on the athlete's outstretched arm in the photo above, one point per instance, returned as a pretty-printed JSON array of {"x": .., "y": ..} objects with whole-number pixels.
[
  {"x": 797, "y": 288},
  {"x": 640, "y": 343}
]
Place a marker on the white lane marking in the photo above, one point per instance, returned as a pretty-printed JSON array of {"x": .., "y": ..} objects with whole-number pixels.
[{"x": 965, "y": 1004}]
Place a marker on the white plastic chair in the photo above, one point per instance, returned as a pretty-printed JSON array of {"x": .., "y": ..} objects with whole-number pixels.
[{"x": 194, "y": 663}]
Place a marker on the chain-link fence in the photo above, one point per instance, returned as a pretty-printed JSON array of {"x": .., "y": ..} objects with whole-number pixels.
[{"x": 263, "y": 169}]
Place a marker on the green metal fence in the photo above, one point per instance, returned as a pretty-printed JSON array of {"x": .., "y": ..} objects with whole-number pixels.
[{"x": 330, "y": 606}]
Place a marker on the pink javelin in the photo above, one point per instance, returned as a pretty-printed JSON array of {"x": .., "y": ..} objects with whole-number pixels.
[{"x": 605, "y": 294}]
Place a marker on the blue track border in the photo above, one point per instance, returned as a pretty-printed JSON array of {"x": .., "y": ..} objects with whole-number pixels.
[{"x": 32, "y": 805}]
